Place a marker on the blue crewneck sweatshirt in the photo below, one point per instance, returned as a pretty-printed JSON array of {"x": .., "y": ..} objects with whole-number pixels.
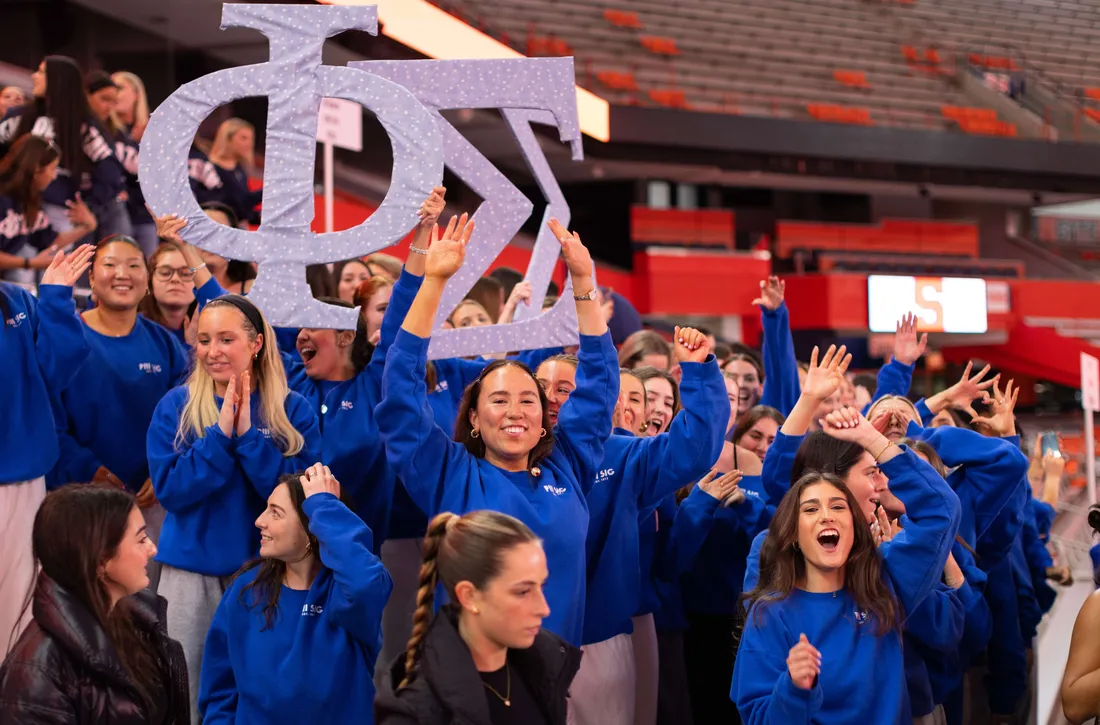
[
  {"x": 913, "y": 564},
  {"x": 713, "y": 584},
  {"x": 987, "y": 475},
  {"x": 933, "y": 631},
  {"x": 105, "y": 412},
  {"x": 315, "y": 664},
  {"x": 214, "y": 487},
  {"x": 635, "y": 475},
  {"x": 42, "y": 347},
  {"x": 1006, "y": 656},
  {"x": 781, "y": 384},
  {"x": 441, "y": 475}
]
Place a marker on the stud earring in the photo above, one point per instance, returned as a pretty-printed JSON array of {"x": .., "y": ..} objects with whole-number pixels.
[{"x": 475, "y": 610}]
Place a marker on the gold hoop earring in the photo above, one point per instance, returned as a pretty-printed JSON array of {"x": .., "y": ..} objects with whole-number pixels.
[
  {"x": 543, "y": 433},
  {"x": 475, "y": 433}
]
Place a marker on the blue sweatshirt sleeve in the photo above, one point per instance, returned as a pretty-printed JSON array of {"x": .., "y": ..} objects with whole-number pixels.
[
  {"x": 184, "y": 478},
  {"x": 693, "y": 442},
  {"x": 781, "y": 385},
  {"x": 690, "y": 527},
  {"x": 894, "y": 378},
  {"x": 752, "y": 563},
  {"x": 60, "y": 344},
  {"x": 534, "y": 358},
  {"x": 419, "y": 450},
  {"x": 762, "y": 687},
  {"x": 584, "y": 420},
  {"x": 262, "y": 461},
  {"x": 938, "y": 620},
  {"x": 993, "y": 470},
  {"x": 915, "y": 558},
  {"x": 209, "y": 291},
  {"x": 401, "y": 299},
  {"x": 779, "y": 465},
  {"x": 217, "y": 684},
  {"x": 362, "y": 585},
  {"x": 926, "y": 415}
]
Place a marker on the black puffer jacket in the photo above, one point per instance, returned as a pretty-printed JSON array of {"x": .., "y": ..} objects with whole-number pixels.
[
  {"x": 448, "y": 690},
  {"x": 63, "y": 670}
]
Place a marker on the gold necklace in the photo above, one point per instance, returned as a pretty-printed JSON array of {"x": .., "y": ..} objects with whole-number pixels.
[{"x": 506, "y": 698}]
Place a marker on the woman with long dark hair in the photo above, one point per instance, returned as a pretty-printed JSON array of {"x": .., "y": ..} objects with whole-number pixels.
[
  {"x": 828, "y": 607},
  {"x": 312, "y": 603},
  {"x": 506, "y": 454},
  {"x": 27, "y": 241},
  {"x": 96, "y": 649},
  {"x": 217, "y": 446},
  {"x": 485, "y": 656},
  {"x": 42, "y": 346},
  {"x": 60, "y": 113}
]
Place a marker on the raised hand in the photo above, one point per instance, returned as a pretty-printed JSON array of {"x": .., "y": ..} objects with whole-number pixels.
[
  {"x": 102, "y": 475},
  {"x": 1001, "y": 420},
  {"x": 520, "y": 293},
  {"x": 689, "y": 345},
  {"x": 227, "y": 416},
  {"x": 146, "y": 497},
  {"x": 577, "y": 257},
  {"x": 881, "y": 528},
  {"x": 65, "y": 269},
  {"x": 169, "y": 227},
  {"x": 79, "y": 214},
  {"x": 824, "y": 378},
  {"x": 772, "y": 291},
  {"x": 962, "y": 394},
  {"x": 432, "y": 207},
  {"x": 848, "y": 424},
  {"x": 446, "y": 254},
  {"x": 907, "y": 349},
  {"x": 244, "y": 405},
  {"x": 804, "y": 663},
  {"x": 607, "y": 304},
  {"x": 319, "y": 479}
]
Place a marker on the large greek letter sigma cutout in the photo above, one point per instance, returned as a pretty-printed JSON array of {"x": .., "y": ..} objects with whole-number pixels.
[
  {"x": 527, "y": 90},
  {"x": 294, "y": 82}
]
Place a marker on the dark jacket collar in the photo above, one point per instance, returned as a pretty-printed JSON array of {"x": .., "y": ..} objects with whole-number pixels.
[
  {"x": 75, "y": 628},
  {"x": 447, "y": 668}
]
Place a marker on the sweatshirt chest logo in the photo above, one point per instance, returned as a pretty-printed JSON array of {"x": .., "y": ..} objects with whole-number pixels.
[
  {"x": 312, "y": 610},
  {"x": 16, "y": 320},
  {"x": 861, "y": 617},
  {"x": 440, "y": 387},
  {"x": 265, "y": 432},
  {"x": 605, "y": 475},
  {"x": 148, "y": 367},
  {"x": 346, "y": 405},
  {"x": 556, "y": 490}
]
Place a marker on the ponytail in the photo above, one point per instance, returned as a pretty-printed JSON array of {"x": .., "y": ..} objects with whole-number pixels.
[{"x": 425, "y": 595}]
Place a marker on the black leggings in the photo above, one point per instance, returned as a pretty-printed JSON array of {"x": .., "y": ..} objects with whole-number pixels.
[{"x": 709, "y": 649}]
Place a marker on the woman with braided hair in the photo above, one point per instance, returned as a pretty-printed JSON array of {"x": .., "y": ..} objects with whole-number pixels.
[{"x": 485, "y": 659}]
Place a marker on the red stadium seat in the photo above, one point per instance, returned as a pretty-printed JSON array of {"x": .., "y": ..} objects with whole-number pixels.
[
  {"x": 622, "y": 18},
  {"x": 659, "y": 45},
  {"x": 668, "y": 98},
  {"x": 617, "y": 81},
  {"x": 851, "y": 78}
]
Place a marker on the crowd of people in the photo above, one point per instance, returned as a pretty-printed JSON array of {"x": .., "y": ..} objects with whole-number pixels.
[{"x": 212, "y": 520}]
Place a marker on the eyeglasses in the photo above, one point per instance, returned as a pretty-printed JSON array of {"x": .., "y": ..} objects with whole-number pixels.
[{"x": 165, "y": 273}]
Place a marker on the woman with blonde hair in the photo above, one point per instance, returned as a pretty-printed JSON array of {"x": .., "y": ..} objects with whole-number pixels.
[
  {"x": 232, "y": 153},
  {"x": 485, "y": 655},
  {"x": 645, "y": 348},
  {"x": 216, "y": 451}
]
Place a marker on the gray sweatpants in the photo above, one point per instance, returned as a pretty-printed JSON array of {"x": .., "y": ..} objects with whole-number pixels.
[
  {"x": 192, "y": 601},
  {"x": 401, "y": 557}
]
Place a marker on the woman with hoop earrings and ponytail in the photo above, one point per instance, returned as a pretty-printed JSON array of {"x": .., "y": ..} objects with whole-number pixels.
[
  {"x": 217, "y": 446},
  {"x": 484, "y": 659}
]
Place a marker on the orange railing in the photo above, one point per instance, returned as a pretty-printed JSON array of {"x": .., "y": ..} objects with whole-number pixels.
[{"x": 888, "y": 236}]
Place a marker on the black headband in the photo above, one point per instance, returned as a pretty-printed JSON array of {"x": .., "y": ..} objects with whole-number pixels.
[{"x": 250, "y": 312}]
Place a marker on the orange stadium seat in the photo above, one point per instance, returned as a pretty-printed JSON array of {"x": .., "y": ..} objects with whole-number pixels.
[
  {"x": 669, "y": 98},
  {"x": 1093, "y": 93},
  {"x": 622, "y": 18},
  {"x": 659, "y": 45},
  {"x": 840, "y": 114},
  {"x": 617, "y": 81},
  {"x": 851, "y": 78}
]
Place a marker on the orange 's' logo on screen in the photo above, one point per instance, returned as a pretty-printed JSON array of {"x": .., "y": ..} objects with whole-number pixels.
[{"x": 929, "y": 296}]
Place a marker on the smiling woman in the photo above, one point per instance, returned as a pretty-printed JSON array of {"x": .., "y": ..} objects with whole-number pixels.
[{"x": 826, "y": 611}]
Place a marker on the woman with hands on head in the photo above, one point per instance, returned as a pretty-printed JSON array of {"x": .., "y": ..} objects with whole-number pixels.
[
  {"x": 42, "y": 347},
  {"x": 506, "y": 455},
  {"x": 217, "y": 446},
  {"x": 829, "y": 604},
  {"x": 635, "y": 475},
  {"x": 312, "y": 603}
]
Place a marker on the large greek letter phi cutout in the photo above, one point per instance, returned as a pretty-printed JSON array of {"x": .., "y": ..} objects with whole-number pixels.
[{"x": 294, "y": 82}]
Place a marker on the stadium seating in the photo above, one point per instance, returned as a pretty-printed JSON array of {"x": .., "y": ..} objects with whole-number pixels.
[{"x": 789, "y": 58}]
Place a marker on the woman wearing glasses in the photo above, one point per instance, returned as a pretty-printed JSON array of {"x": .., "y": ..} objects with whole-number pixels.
[
  {"x": 171, "y": 290},
  {"x": 103, "y": 415}
]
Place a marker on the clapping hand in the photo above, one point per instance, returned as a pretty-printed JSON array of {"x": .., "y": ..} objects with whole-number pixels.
[
  {"x": 725, "y": 488},
  {"x": 244, "y": 405},
  {"x": 227, "y": 416},
  {"x": 804, "y": 664}
]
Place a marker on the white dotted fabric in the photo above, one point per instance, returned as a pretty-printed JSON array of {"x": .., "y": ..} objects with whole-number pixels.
[{"x": 406, "y": 96}]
